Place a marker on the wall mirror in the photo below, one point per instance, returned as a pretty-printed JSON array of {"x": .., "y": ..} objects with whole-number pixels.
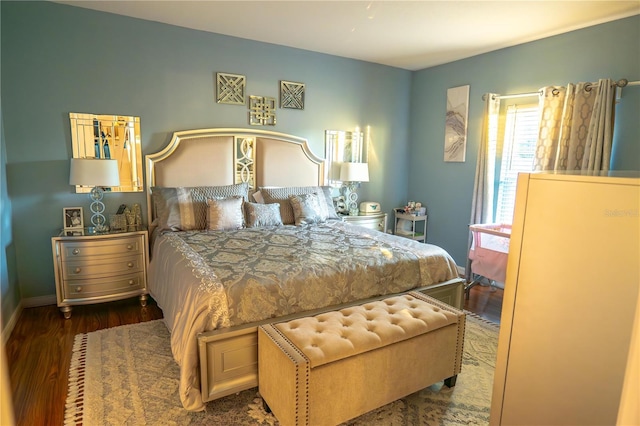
[
  {"x": 115, "y": 137},
  {"x": 342, "y": 146}
]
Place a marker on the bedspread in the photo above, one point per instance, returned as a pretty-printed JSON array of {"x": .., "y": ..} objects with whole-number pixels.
[{"x": 206, "y": 280}]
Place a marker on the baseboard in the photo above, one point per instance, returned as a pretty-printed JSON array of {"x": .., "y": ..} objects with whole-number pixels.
[
  {"x": 13, "y": 320},
  {"x": 34, "y": 302}
]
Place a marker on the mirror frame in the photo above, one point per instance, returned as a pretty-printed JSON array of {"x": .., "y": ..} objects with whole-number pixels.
[
  {"x": 108, "y": 136},
  {"x": 342, "y": 146}
]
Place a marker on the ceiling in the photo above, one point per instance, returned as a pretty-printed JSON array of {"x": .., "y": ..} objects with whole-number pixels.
[{"x": 405, "y": 34}]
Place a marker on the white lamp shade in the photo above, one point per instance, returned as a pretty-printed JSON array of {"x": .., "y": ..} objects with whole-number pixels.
[
  {"x": 354, "y": 172},
  {"x": 94, "y": 172}
]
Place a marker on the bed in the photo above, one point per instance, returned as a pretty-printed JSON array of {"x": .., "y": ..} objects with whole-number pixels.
[{"x": 243, "y": 232}]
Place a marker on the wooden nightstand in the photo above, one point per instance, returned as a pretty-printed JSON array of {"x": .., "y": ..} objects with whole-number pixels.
[
  {"x": 376, "y": 221},
  {"x": 94, "y": 268}
]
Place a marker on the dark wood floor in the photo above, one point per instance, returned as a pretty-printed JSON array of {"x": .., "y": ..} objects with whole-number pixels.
[{"x": 39, "y": 348}]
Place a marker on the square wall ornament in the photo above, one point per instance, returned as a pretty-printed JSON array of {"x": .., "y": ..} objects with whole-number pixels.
[
  {"x": 291, "y": 95},
  {"x": 230, "y": 88},
  {"x": 262, "y": 111},
  {"x": 455, "y": 133}
]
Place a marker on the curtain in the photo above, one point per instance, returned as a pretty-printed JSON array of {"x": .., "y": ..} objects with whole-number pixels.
[
  {"x": 483, "y": 186},
  {"x": 576, "y": 127}
]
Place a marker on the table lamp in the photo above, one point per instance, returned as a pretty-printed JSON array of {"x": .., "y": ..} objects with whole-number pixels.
[
  {"x": 99, "y": 174},
  {"x": 351, "y": 174}
]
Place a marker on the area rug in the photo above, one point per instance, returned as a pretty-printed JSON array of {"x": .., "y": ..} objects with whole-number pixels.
[{"x": 127, "y": 376}]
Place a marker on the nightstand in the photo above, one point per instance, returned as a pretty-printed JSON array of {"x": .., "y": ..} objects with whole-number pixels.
[
  {"x": 95, "y": 268},
  {"x": 376, "y": 221},
  {"x": 418, "y": 233}
]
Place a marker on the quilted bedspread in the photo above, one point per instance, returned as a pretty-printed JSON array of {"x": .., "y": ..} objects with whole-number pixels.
[{"x": 206, "y": 280}]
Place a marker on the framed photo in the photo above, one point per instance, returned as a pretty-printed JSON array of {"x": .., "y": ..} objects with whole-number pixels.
[{"x": 72, "y": 218}]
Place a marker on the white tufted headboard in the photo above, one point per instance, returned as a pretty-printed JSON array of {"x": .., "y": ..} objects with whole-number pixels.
[{"x": 211, "y": 157}]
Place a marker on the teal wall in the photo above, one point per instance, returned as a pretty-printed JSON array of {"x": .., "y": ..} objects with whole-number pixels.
[
  {"x": 610, "y": 50},
  {"x": 9, "y": 290},
  {"x": 58, "y": 59}
]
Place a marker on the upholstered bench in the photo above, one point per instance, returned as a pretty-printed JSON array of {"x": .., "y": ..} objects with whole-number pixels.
[{"x": 335, "y": 366}]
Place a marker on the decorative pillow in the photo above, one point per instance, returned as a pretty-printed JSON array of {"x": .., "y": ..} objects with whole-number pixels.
[
  {"x": 308, "y": 208},
  {"x": 281, "y": 196},
  {"x": 257, "y": 215},
  {"x": 224, "y": 214},
  {"x": 185, "y": 208}
]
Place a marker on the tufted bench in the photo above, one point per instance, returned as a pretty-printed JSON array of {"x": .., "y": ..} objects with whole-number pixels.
[{"x": 335, "y": 366}]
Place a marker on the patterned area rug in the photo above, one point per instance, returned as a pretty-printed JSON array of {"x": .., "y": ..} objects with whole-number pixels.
[{"x": 127, "y": 376}]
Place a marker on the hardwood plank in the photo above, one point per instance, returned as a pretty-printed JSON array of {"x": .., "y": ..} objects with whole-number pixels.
[
  {"x": 39, "y": 348},
  {"x": 39, "y": 353}
]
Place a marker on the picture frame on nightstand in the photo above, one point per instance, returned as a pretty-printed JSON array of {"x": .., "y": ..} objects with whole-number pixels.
[{"x": 73, "y": 219}]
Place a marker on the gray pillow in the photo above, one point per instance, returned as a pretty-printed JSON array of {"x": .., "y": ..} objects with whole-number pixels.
[
  {"x": 224, "y": 214},
  {"x": 185, "y": 208},
  {"x": 281, "y": 196},
  {"x": 308, "y": 208},
  {"x": 258, "y": 215}
]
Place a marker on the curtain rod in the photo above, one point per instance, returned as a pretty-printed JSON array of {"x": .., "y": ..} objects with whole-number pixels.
[{"x": 620, "y": 84}]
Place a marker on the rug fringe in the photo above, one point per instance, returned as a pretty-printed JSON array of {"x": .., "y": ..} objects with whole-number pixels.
[{"x": 74, "y": 413}]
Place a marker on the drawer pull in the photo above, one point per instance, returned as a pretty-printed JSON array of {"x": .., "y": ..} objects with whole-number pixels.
[
  {"x": 78, "y": 289},
  {"x": 129, "y": 246},
  {"x": 77, "y": 270},
  {"x": 75, "y": 251},
  {"x": 130, "y": 264},
  {"x": 131, "y": 282}
]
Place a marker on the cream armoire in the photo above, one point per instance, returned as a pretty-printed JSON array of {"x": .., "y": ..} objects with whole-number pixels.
[{"x": 570, "y": 299}]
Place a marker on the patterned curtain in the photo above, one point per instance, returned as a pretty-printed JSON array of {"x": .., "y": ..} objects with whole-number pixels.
[
  {"x": 482, "y": 201},
  {"x": 576, "y": 127}
]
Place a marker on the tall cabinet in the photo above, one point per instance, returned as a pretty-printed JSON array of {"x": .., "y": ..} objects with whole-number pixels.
[{"x": 570, "y": 297}]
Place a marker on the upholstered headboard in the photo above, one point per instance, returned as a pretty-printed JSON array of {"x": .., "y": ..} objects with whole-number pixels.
[{"x": 211, "y": 157}]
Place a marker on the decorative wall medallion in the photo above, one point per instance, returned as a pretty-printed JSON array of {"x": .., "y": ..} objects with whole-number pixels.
[
  {"x": 291, "y": 95},
  {"x": 262, "y": 111},
  {"x": 230, "y": 88}
]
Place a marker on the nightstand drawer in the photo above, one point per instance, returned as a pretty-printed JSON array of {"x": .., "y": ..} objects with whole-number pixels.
[
  {"x": 70, "y": 250},
  {"x": 80, "y": 289},
  {"x": 377, "y": 221},
  {"x": 102, "y": 267}
]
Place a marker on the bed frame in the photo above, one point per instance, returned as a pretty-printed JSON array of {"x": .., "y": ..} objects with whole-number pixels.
[{"x": 228, "y": 358}]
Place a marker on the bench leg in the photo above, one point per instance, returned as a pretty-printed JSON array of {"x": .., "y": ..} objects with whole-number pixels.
[{"x": 451, "y": 381}]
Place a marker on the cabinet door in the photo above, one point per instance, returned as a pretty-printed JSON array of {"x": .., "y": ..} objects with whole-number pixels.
[{"x": 570, "y": 296}]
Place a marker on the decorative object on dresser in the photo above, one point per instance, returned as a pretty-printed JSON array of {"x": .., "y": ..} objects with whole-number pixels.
[
  {"x": 230, "y": 88},
  {"x": 72, "y": 218},
  {"x": 96, "y": 173},
  {"x": 93, "y": 268},
  {"x": 411, "y": 224},
  {"x": 291, "y": 95},
  {"x": 351, "y": 175},
  {"x": 376, "y": 221}
]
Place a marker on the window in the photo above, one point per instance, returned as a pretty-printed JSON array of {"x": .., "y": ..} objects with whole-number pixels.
[{"x": 518, "y": 151}]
